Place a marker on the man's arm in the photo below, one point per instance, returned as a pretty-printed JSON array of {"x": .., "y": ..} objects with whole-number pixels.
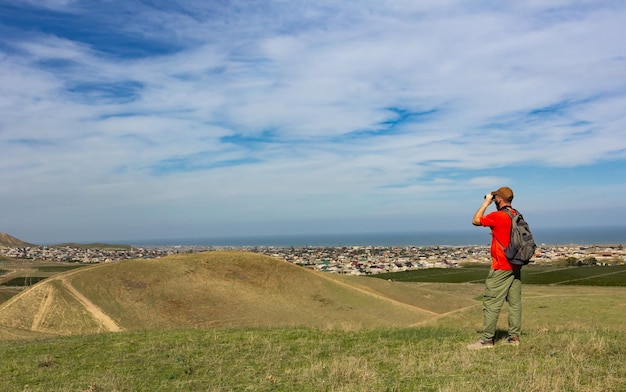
[{"x": 481, "y": 210}]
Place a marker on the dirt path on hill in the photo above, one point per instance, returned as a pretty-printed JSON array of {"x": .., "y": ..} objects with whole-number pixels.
[
  {"x": 108, "y": 323},
  {"x": 101, "y": 317},
  {"x": 44, "y": 306},
  {"x": 375, "y": 294},
  {"x": 444, "y": 315}
]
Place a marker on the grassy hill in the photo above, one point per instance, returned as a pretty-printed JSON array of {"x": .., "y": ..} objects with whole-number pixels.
[
  {"x": 213, "y": 289},
  {"x": 9, "y": 241}
]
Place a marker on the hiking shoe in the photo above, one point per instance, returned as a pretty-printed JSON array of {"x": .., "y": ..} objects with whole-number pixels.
[
  {"x": 511, "y": 341},
  {"x": 480, "y": 344}
]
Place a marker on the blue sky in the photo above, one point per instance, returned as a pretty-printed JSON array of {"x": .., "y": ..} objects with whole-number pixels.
[{"x": 145, "y": 119}]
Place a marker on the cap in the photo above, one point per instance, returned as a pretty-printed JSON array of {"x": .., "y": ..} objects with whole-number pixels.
[{"x": 505, "y": 192}]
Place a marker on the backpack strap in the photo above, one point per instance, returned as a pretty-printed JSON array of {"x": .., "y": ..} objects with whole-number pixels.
[{"x": 508, "y": 210}]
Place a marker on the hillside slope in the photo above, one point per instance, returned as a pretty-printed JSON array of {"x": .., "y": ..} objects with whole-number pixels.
[
  {"x": 213, "y": 289},
  {"x": 9, "y": 241}
]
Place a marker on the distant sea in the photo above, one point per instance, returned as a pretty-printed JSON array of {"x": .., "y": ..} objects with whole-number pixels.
[{"x": 477, "y": 236}]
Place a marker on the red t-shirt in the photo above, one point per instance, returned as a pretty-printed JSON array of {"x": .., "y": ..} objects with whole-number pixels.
[{"x": 500, "y": 224}]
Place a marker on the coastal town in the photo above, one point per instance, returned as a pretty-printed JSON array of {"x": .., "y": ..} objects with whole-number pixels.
[{"x": 353, "y": 260}]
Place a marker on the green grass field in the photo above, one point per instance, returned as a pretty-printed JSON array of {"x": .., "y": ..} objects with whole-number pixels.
[
  {"x": 58, "y": 268},
  {"x": 531, "y": 274},
  {"x": 24, "y": 273},
  {"x": 23, "y": 281},
  {"x": 301, "y": 359}
]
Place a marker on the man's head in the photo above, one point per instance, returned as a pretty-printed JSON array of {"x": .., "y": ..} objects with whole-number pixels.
[{"x": 503, "y": 195}]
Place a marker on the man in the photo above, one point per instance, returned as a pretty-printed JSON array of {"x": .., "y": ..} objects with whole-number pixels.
[{"x": 504, "y": 280}]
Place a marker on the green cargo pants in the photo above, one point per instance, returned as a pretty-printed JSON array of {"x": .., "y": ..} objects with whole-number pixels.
[{"x": 500, "y": 286}]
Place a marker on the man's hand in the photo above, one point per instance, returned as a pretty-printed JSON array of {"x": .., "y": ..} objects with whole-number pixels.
[{"x": 481, "y": 211}]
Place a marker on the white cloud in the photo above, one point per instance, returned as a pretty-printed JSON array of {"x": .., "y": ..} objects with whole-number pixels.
[{"x": 300, "y": 112}]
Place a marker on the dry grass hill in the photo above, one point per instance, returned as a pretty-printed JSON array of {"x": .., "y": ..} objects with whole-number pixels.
[
  {"x": 9, "y": 241},
  {"x": 215, "y": 289}
]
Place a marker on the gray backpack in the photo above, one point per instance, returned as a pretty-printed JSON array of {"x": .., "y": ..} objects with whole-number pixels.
[{"x": 521, "y": 245}]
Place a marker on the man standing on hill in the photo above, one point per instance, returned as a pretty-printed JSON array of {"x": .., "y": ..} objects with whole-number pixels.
[{"x": 504, "y": 280}]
